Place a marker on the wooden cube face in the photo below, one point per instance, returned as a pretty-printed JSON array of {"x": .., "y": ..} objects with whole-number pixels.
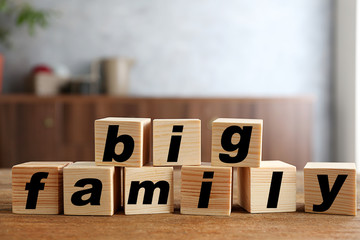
[
  {"x": 37, "y": 187},
  {"x": 269, "y": 188},
  {"x": 122, "y": 141},
  {"x": 148, "y": 190},
  {"x": 206, "y": 190},
  {"x": 236, "y": 142},
  {"x": 176, "y": 142},
  {"x": 91, "y": 189},
  {"x": 330, "y": 188}
]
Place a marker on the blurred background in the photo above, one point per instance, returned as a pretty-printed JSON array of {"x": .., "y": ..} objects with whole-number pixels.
[{"x": 66, "y": 63}]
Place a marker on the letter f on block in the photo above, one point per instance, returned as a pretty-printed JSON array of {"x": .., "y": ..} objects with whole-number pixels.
[
  {"x": 34, "y": 186},
  {"x": 327, "y": 194}
]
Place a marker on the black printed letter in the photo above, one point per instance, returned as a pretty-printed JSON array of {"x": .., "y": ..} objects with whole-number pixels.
[
  {"x": 95, "y": 192},
  {"x": 112, "y": 140},
  {"x": 149, "y": 187},
  {"x": 34, "y": 186},
  {"x": 242, "y": 146},
  {"x": 274, "y": 190},
  {"x": 327, "y": 194},
  {"x": 205, "y": 190},
  {"x": 175, "y": 144}
]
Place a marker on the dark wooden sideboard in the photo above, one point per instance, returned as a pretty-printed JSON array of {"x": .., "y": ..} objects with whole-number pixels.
[{"x": 62, "y": 127}]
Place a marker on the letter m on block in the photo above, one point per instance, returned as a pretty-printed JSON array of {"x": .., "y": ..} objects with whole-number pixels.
[{"x": 149, "y": 188}]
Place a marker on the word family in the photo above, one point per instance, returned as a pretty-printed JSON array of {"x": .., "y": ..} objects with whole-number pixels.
[{"x": 123, "y": 176}]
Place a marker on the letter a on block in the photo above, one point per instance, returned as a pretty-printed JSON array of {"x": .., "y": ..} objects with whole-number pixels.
[
  {"x": 236, "y": 142},
  {"x": 91, "y": 189},
  {"x": 37, "y": 187},
  {"x": 176, "y": 142},
  {"x": 122, "y": 142},
  {"x": 148, "y": 190},
  {"x": 330, "y": 188}
]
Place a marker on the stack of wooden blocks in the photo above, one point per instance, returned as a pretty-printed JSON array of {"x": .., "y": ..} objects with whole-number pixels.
[{"x": 122, "y": 174}]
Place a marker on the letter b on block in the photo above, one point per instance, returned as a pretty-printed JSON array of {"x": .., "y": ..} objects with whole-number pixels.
[
  {"x": 236, "y": 142},
  {"x": 122, "y": 142}
]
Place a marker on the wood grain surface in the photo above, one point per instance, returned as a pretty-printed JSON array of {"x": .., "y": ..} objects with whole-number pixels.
[
  {"x": 153, "y": 174},
  {"x": 137, "y": 128},
  {"x": 189, "y": 151},
  {"x": 256, "y": 184},
  {"x": 110, "y": 180},
  {"x": 51, "y": 200},
  {"x": 192, "y": 179},
  {"x": 240, "y": 225},
  {"x": 253, "y": 157},
  {"x": 345, "y": 201}
]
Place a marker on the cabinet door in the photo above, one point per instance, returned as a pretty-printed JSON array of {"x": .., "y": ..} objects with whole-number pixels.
[
  {"x": 8, "y": 135},
  {"x": 36, "y": 131},
  {"x": 122, "y": 107},
  {"x": 77, "y": 130}
]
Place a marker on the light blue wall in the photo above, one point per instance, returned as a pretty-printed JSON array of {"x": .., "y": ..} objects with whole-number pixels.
[{"x": 194, "y": 48}]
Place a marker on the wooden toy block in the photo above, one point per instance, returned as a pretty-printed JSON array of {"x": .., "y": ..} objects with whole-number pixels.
[
  {"x": 176, "y": 142},
  {"x": 148, "y": 190},
  {"x": 330, "y": 188},
  {"x": 269, "y": 188},
  {"x": 37, "y": 187},
  {"x": 91, "y": 189},
  {"x": 236, "y": 142},
  {"x": 206, "y": 190},
  {"x": 122, "y": 142}
]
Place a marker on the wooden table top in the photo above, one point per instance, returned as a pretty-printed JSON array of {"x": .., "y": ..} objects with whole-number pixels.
[{"x": 297, "y": 225}]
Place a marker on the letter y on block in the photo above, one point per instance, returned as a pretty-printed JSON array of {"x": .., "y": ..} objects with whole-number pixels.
[{"x": 330, "y": 188}]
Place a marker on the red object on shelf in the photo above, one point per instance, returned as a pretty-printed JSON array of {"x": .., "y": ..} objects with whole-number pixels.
[{"x": 42, "y": 69}]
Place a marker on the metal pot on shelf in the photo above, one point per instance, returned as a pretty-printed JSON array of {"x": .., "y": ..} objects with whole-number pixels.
[{"x": 115, "y": 75}]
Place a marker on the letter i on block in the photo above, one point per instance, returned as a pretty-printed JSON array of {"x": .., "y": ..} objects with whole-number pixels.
[
  {"x": 91, "y": 189},
  {"x": 269, "y": 188},
  {"x": 122, "y": 142},
  {"x": 176, "y": 142},
  {"x": 330, "y": 188},
  {"x": 37, "y": 187},
  {"x": 206, "y": 190},
  {"x": 148, "y": 190},
  {"x": 236, "y": 142}
]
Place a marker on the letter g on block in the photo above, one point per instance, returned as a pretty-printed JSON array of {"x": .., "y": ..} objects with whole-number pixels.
[{"x": 236, "y": 142}]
